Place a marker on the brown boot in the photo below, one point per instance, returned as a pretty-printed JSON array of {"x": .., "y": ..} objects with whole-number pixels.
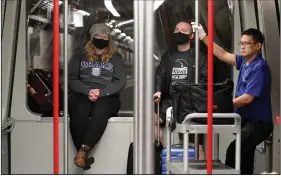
[
  {"x": 81, "y": 157},
  {"x": 88, "y": 163}
]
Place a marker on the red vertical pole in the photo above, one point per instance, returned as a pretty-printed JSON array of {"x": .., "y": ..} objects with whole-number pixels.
[
  {"x": 210, "y": 86},
  {"x": 167, "y": 29},
  {"x": 56, "y": 85}
]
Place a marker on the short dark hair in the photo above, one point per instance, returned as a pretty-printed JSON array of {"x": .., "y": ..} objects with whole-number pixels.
[{"x": 255, "y": 34}]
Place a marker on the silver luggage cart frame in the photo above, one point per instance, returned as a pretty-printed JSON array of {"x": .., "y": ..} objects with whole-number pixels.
[{"x": 188, "y": 127}]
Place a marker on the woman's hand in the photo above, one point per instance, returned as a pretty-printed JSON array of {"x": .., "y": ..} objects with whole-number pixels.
[{"x": 94, "y": 94}]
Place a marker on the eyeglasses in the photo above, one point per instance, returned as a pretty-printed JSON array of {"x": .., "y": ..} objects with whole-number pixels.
[{"x": 245, "y": 43}]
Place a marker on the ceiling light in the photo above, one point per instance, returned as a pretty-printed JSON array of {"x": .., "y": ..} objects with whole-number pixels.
[
  {"x": 113, "y": 33},
  {"x": 126, "y": 38},
  {"x": 117, "y": 30},
  {"x": 108, "y": 4},
  {"x": 131, "y": 42},
  {"x": 49, "y": 4},
  {"x": 155, "y": 57},
  {"x": 157, "y": 3},
  {"x": 84, "y": 13},
  {"x": 119, "y": 37},
  {"x": 125, "y": 22}
]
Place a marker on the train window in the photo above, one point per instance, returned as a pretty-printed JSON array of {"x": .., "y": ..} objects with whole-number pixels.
[
  {"x": 174, "y": 11},
  {"x": 119, "y": 19},
  {"x": 82, "y": 16}
]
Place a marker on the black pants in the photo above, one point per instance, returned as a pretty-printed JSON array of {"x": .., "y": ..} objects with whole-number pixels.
[
  {"x": 252, "y": 134},
  {"x": 88, "y": 119}
]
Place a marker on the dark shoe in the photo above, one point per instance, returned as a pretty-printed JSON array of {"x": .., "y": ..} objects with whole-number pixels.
[
  {"x": 80, "y": 159},
  {"x": 89, "y": 161}
]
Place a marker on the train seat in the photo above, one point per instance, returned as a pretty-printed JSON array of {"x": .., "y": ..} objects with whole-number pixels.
[
  {"x": 125, "y": 113},
  {"x": 112, "y": 150}
]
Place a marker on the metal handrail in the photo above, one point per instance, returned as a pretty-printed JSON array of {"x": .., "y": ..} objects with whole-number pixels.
[
  {"x": 65, "y": 37},
  {"x": 197, "y": 50}
]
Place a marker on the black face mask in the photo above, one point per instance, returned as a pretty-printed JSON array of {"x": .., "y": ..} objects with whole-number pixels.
[
  {"x": 100, "y": 43},
  {"x": 181, "y": 38}
]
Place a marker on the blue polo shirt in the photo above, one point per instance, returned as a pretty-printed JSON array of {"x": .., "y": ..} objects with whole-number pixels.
[{"x": 254, "y": 79}]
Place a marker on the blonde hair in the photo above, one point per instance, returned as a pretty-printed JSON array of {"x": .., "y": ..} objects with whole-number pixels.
[{"x": 105, "y": 57}]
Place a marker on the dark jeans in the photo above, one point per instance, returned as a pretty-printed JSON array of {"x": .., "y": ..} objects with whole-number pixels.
[
  {"x": 252, "y": 134},
  {"x": 88, "y": 119}
]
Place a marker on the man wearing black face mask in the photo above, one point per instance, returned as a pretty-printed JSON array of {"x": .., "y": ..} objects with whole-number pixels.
[{"x": 174, "y": 67}]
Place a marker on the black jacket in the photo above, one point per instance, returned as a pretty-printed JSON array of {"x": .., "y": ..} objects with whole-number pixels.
[{"x": 164, "y": 71}]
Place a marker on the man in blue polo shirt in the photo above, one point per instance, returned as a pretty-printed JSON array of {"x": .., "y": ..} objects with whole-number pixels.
[{"x": 252, "y": 98}]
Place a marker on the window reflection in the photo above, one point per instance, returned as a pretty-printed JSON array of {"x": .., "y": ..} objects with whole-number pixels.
[{"x": 81, "y": 17}]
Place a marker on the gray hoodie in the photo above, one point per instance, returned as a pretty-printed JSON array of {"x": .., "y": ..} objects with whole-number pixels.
[{"x": 84, "y": 75}]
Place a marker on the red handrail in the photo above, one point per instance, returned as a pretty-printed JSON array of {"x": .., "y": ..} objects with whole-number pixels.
[
  {"x": 56, "y": 84},
  {"x": 210, "y": 86}
]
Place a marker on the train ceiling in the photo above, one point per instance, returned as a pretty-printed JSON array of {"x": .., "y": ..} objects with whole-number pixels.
[{"x": 167, "y": 15}]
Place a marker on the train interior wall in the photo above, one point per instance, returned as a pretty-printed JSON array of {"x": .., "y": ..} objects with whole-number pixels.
[{"x": 28, "y": 149}]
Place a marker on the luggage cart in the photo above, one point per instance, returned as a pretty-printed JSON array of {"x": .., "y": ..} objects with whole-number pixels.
[{"x": 188, "y": 127}]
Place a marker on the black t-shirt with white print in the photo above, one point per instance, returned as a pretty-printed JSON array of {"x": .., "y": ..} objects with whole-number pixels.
[{"x": 179, "y": 69}]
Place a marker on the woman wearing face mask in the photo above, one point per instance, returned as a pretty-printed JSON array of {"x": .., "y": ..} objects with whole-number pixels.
[
  {"x": 174, "y": 67},
  {"x": 96, "y": 77}
]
